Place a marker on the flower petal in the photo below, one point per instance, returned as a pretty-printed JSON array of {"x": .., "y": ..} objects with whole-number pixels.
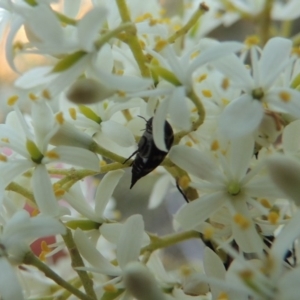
[
  {"x": 106, "y": 189},
  {"x": 118, "y": 133},
  {"x": 12, "y": 169},
  {"x": 43, "y": 192},
  {"x": 159, "y": 125},
  {"x": 10, "y": 287},
  {"x": 89, "y": 26},
  {"x": 94, "y": 258},
  {"x": 196, "y": 212},
  {"x": 194, "y": 162},
  {"x": 241, "y": 117},
  {"x": 159, "y": 191},
  {"x": 75, "y": 157},
  {"x": 241, "y": 152},
  {"x": 178, "y": 109},
  {"x": 213, "y": 267},
  {"x": 273, "y": 59},
  {"x": 130, "y": 240}
]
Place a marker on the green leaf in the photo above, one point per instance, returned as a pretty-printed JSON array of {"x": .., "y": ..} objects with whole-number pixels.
[
  {"x": 112, "y": 295},
  {"x": 82, "y": 224},
  {"x": 68, "y": 61}
]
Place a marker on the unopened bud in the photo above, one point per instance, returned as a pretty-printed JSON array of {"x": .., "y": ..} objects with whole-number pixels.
[
  {"x": 141, "y": 283},
  {"x": 88, "y": 91},
  {"x": 285, "y": 173},
  {"x": 69, "y": 135}
]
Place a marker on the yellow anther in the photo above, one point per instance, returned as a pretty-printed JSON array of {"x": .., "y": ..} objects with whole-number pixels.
[
  {"x": 110, "y": 288},
  {"x": 189, "y": 144},
  {"x": 103, "y": 163},
  {"x": 223, "y": 296},
  {"x": 225, "y": 84},
  {"x": 251, "y": 41},
  {"x": 207, "y": 93},
  {"x": 184, "y": 181},
  {"x": 143, "y": 17},
  {"x": 195, "y": 54},
  {"x": 44, "y": 247},
  {"x": 73, "y": 113},
  {"x": 160, "y": 45},
  {"x": 273, "y": 217},
  {"x": 285, "y": 96},
  {"x": 186, "y": 271},
  {"x": 32, "y": 97},
  {"x": 18, "y": 45},
  {"x": 296, "y": 51},
  {"x": 121, "y": 93},
  {"x": 59, "y": 193},
  {"x": 265, "y": 203},
  {"x": 120, "y": 72},
  {"x": 208, "y": 233},
  {"x": 201, "y": 77},
  {"x": 240, "y": 220},
  {"x": 35, "y": 212},
  {"x": 225, "y": 101},
  {"x": 215, "y": 145},
  {"x": 3, "y": 158},
  {"x": 46, "y": 94},
  {"x": 11, "y": 101},
  {"x": 60, "y": 118},
  {"x": 5, "y": 140},
  {"x": 52, "y": 154},
  {"x": 246, "y": 275},
  {"x": 153, "y": 22},
  {"x": 45, "y": 251}
]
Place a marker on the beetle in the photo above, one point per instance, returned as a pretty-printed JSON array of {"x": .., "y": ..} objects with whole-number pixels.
[{"x": 148, "y": 156}]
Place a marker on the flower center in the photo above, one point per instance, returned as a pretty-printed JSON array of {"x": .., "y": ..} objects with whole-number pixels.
[
  {"x": 258, "y": 93},
  {"x": 233, "y": 188},
  {"x": 36, "y": 155}
]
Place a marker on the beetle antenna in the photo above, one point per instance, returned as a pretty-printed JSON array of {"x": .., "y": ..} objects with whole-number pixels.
[{"x": 143, "y": 118}]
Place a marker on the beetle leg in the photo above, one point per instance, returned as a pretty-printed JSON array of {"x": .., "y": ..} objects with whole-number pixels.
[
  {"x": 181, "y": 192},
  {"x": 135, "y": 152}
]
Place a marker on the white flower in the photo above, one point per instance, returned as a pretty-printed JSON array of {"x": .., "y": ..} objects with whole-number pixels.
[
  {"x": 225, "y": 181},
  {"x": 103, "y": 194},
  {"x": 33, "y": 148},
  {"x": 129, "y": 243},
  {"x": 245, "y": 113},
  {"x": 16, "y": 235}
]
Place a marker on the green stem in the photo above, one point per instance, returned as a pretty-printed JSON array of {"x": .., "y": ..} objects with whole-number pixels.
[
  {"x": 105, "y": 38},
  {"x": 31, "y": 259},
  {"x": 64, "y": 19},
  {"x": 193, "y": 20},
  {"x": 22, "y": 191},
  {"x": 78, "y": 262},
  {"x": 265, "y": 22},
  {"x": 170, "y": 240},
  {"x": 132, "y": 40},
  {"x": 108, "y": 154}
]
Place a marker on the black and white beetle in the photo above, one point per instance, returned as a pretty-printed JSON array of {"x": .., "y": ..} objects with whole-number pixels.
[{"x": 148, "y": 156}]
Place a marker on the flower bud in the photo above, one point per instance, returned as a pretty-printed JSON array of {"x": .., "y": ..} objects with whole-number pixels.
[
  {"x": 69, "y": 135},
  {"x": 141, "y": 283},
  {"x": 285, "y": 172},
  {"x": 88, "y": 91}
]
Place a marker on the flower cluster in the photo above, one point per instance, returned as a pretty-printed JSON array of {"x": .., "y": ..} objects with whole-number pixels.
[{"x": 129, "y": 85}]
